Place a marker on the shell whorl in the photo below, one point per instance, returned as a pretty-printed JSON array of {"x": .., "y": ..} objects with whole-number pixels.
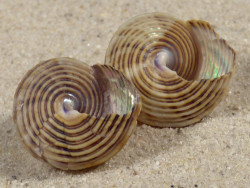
[
  {"x": 181, "y": 69},
  {"x": 75, "y": 116}
]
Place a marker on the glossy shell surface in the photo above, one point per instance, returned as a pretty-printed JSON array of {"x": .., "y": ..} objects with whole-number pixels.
[
  {"x": 73, "y": 115},
  {"x": 181, "y": 69}
]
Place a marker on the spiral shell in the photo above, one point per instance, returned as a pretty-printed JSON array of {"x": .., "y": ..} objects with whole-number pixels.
[
  {"x": 181, "y": 69},
  {"x": 75, "y": 116}
]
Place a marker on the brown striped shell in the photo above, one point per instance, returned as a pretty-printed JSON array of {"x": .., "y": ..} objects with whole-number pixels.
[
  {"x": 181, "y": 69},
  {"x": 73, "y": 115}
]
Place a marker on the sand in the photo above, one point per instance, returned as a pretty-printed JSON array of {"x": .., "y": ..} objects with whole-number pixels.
[{"x": 212, "y": 153}]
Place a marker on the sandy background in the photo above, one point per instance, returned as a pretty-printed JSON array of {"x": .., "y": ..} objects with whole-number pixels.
[{"x": 213, "y": 153}]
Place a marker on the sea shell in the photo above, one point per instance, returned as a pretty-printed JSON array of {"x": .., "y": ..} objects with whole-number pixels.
[
  {"x": 73, "y": 115},
  {"x": 181, "y": 69}
]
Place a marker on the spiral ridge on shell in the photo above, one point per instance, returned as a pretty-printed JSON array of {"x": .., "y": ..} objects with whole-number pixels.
[
  {"x": 73, "y": 115},
  {"x": 181, "y": 69}
]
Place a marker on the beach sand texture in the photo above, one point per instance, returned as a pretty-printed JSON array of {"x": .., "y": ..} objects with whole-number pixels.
[{"x": 212, "y": 153}]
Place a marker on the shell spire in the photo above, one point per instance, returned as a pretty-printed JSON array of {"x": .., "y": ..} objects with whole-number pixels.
[
  {"x": 73, "y": 115},
  {"x": 181, "y": 69}
]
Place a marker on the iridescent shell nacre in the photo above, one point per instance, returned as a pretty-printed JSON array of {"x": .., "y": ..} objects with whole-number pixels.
[
  {"x": 181, "y": 69},
  {"x": 73, "y": 115}
]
